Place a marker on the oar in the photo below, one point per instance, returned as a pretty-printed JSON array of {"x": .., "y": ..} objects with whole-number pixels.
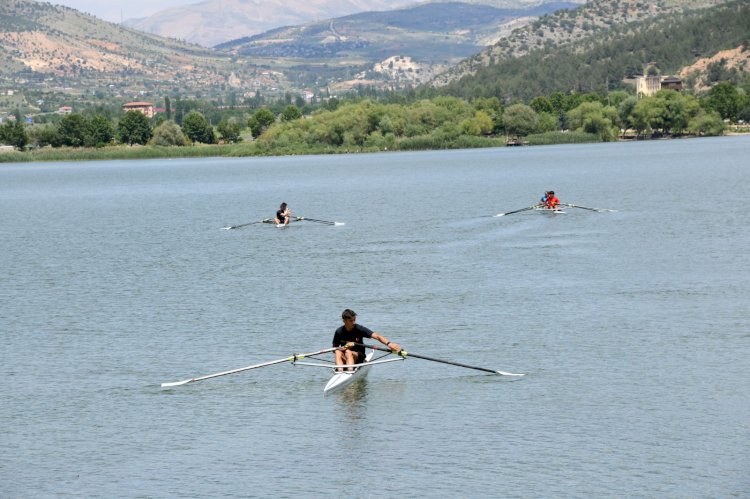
[
  {"x": 586, "y": 208},
  {"x": 264, "y": 364},
  {"x": 265, "y": 221},
  {"x": 327, "y": 222},
  {"x": 404, "y": 354},
  {"x": 516, "y": 211}
]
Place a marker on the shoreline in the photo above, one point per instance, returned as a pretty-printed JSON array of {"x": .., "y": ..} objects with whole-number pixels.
[{"x": 252, "y": 149}]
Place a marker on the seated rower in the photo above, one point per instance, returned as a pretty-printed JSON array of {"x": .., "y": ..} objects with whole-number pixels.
[
  {"x": 283, "y": 215},
  {"x": 552, "y": 202}
]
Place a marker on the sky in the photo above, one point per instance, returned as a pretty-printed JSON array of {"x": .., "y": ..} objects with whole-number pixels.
[{"x": 117, "y": 10}]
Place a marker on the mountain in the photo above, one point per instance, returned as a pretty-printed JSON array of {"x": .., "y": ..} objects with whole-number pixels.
[
  {"x": 704, "y": 45},
  {"x": 390, "y": 48},
  {"x": 568, "y": 27},
  {"x": 215, "y": 21},
  {"x": 57, "y": 47}
]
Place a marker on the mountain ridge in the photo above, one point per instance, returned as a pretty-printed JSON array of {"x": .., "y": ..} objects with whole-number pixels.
[{"x": 567, "y": 27}]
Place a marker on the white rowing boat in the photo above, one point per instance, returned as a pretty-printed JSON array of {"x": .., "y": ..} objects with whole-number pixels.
[
  {"x": 341, "y": 379},
  {"x": 549, "y": 211}
]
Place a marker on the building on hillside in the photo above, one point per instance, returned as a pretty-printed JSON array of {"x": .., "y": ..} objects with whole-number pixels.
[
  {"x": 671, "y": 83},
  {"x": 646, "y": 86},
  {"x": 65, "y": 110},
  {"x": 147, "y": 108}
]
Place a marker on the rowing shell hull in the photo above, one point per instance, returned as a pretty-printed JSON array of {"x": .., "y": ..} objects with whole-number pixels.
[
  {"x": 549, "y": 211},
  {"x": 340, "y": 380}
]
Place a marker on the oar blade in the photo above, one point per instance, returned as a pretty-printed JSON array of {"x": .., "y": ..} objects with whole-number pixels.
[
  {"x": 503, "y": 373},
  {"x": 514, "y": 211},
  {"x": 315, "y": 220},
  {"x": 177, "y": 383}
]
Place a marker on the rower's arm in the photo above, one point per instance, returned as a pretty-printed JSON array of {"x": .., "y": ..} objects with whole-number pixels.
[{"x": 382, "y": 339}]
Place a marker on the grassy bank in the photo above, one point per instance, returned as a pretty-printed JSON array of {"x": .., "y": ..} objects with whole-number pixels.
[
  {"x": 228, "y": 150},
  {"x": 260, "y": 148}
]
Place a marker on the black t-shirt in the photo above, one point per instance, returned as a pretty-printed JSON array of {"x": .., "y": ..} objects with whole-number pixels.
[{"x": 341, "y": 337}]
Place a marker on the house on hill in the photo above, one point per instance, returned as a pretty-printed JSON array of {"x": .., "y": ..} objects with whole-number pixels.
[
  {"x": 147, "y": 108},
  {"x": 671, "y": 83},
  {"x": 646, "y": 86}
]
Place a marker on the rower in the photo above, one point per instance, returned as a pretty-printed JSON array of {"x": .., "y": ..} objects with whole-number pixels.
[
  {"x": 349, "y": 338},
  {"x": 543, "y": 199},
  {"x": 283, "y": 215},
  {"x": 552, "y": 202}
]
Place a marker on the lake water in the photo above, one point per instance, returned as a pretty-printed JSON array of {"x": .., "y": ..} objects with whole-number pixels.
[{"x": 633, "y": 327}]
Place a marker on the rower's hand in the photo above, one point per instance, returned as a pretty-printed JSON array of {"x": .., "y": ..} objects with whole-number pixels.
[
  {"x": 395, "y": 347},
  {"x": 348, "y": 345}
]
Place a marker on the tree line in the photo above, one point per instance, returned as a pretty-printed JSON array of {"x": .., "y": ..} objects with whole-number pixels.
[{"x": 397, "y": 121}]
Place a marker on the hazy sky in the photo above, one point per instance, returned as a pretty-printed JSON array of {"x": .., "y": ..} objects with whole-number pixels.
[{"x": 114, "y": 10}]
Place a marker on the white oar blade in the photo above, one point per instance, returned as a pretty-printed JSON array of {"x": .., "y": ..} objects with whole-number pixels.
[
  {"x": 503, "y": 373},
  {"x": 500, "y": 215},
  {"x": 176, "y": 383},
  {"x": 339, "y": 224}
]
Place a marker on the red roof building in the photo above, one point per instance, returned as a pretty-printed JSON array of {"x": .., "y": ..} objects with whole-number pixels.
[{"x": 146, "y": 108}]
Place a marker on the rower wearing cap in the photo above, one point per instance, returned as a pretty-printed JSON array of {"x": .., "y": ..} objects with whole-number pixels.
[{"x": 350, "y": 337}]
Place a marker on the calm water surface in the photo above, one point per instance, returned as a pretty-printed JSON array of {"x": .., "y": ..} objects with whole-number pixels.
[{"x": 633, "y": 327}]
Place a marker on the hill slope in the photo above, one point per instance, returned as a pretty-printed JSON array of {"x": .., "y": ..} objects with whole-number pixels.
[
  {"x": 394, "y": 47},
  {"x": 664, "y": 43},
  {"x": 568, "y": 27},
  {"x": 215, "y": 21},
  {"x": 43, "y": 43}
]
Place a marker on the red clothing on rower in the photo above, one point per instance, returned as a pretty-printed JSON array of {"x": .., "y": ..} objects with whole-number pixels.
[{"x": 552, "y": 201}]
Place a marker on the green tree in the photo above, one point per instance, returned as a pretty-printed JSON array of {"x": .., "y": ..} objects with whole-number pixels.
[
  {"x": 547, "y": 122},
  {"x": 229, "y": 130},
  {"x": 677, "y": 110},
  {"x": 99, "y": 131},
  {"x": 519, "y": 119},
  {"x": 595, "y": 118},
  {"x": 707, "y": 123},
  {"x": 14, "y": 134},
  {"x": 72, "y": 130},
  {"x": 197, "y": 129},
  {"x": 291, "y": 113},
  {"x": 542, "y": 105},
  {"x": 726, "y": 100},
  {"x": 169, "y": 134},
  {"x": 625, "y": 110},
  {"x": 647, "y": 115},
  {"x": 46, "y": 135},
  {"x": 492, "y": 107},
  {"x": 134, "y": 128},
  {"x": 260, "y": 121}
]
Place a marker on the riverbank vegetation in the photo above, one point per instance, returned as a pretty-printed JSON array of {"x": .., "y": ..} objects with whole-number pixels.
[{"x": 386, "y": 122}]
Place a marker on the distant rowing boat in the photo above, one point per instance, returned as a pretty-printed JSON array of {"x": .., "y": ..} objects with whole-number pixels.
[
  {"x": 270, "y": 221},
  {"x": 549, "y": 211}
]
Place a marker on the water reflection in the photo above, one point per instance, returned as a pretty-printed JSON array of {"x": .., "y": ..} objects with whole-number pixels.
[{"x": 352, "y": 399}]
